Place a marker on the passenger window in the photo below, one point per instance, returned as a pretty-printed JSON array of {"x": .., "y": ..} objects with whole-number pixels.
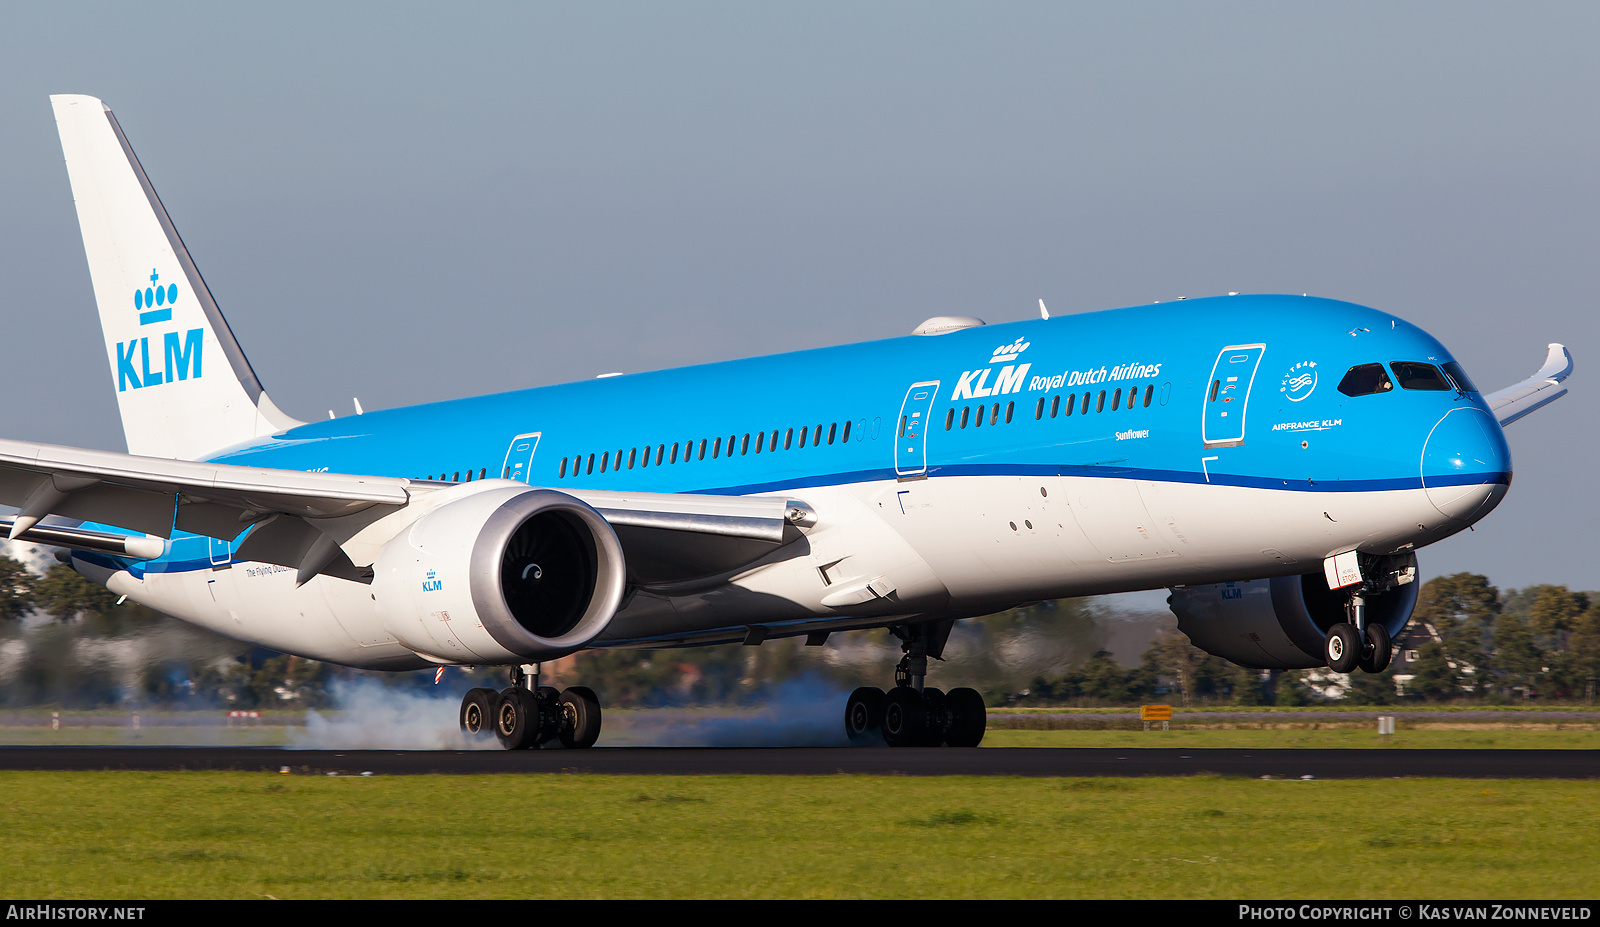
[
  {"x": 482, "y": 471},
  {"x": 761, "y": 438},
  {"x": 1100, "y": 404},
  {"x": 845, "y": 438},
  {"x": 1459, "y": 377},
  {"x": 1084, "y": 409},
  {"x": 966, "y": 412},
  {"x": 661, "y": 453},
  {"x": 563, "y": 474},
  {"x": 717, "y": 448},
  {"x": 1009, "y": 407},
  {"x": 1055, "y": 405},
  {"x": 633, "y": 456},
  {"x": 590, "y": 468},
  {"x": 788, "y": 439},
  {"x": 702, "y": 449},
  {"x": 833, "y": 430},
  {"x": 977, "y": 420},
  {"x": 1362, "y": 380},
  {"x": 803, "y": 433},
  {"x": 1038, "y": 410},
  {"x": 674, "y": 452},
  {"x": 1416, "y": 375},
  {"x": 603, "y": 459},
  {"x": 994, "y": 414},
  {"x": 950, "y": 418},
  {"x": 816, "y": 436},
  {"x": 744, "y": 446},
  {"x": 1116, "y": 399},
  {"x": 1149, "y": 391}
]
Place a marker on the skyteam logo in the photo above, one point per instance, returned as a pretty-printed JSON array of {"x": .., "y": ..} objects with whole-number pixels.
[
  {"x": 1300, "y": 381},
  {"x": 974, "y": 383},
  {"x": 177, "y": 354}
]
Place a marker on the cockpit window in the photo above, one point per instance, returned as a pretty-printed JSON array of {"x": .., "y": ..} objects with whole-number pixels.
[
  {"x": 1365, "y": 379},
  {"x": 1414, "y": 375},
  {"x": 1459, "y": 377}
]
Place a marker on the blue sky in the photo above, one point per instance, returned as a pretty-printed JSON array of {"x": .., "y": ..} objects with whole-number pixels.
[{"x": 405, "y": 202}]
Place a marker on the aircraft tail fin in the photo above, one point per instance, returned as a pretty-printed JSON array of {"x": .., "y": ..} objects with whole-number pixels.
[{"x": 184, "y": 386}]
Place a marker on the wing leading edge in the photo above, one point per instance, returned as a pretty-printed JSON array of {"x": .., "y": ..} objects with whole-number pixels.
[{"x": 316, "y": 522}]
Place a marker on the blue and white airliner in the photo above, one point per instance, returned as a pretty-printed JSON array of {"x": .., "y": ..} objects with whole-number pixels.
[{"x": 1275, "y": 460}]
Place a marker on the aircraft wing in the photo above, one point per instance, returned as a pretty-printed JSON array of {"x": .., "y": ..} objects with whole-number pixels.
[
  {"x": 305, "y": 517},
  {"x": 1539, "y": 390}
]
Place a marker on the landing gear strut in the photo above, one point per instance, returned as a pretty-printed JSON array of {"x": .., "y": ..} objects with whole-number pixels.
[
  {"x": 911, "y": 714},
  {"x": 527, "y": 715}
]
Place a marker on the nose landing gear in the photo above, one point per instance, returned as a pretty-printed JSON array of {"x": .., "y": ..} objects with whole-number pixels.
[
  {"x": 526, "y": 715},
  {"x": 1357, "y": 642},
  {"x": 910, "y": 714}
]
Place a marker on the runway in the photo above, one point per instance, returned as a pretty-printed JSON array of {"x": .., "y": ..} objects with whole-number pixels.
[{"x": 812, "y": 761}]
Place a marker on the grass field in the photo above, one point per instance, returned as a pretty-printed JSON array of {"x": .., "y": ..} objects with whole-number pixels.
[{"x": 250, "y": 835}]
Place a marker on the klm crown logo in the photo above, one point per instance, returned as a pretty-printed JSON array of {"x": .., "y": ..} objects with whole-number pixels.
[
  {"x": 432, "y": 583},
  {"x": 154, "y": 302},
  {"x": 176, "y": 355},
  {"x": 1008, "y": 352}
]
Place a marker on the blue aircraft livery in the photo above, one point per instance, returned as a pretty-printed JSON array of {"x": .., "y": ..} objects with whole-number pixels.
[{"x": 1276, "y": 461}]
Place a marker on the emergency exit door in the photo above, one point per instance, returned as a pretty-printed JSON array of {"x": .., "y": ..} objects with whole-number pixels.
[{"x": 1228, "y": 394}]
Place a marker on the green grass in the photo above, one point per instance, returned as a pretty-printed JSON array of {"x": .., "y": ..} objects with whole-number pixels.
[
  {"x": 248, "y": 835},
  {"x": 1477, "y": 737}
]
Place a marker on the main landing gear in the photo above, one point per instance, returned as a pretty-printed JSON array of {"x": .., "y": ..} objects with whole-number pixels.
[
  {"x": 526, "y": 715},
  {"x": 1357, "y": 642},
  {"x": 910, "y": 714}
]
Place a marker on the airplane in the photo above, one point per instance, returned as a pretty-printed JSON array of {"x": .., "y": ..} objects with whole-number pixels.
[{"x": 906, "y": 484}]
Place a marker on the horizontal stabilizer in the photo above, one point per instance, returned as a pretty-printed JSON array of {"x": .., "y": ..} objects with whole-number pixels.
[{"x": 1539, "y": 390}]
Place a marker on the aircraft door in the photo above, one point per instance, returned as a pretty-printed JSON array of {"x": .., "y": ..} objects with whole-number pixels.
[
  {"x": 221, "y": 552},
  {"x": 1228, "y": 394},
  {"x": 519, "y": 457},
  {"x": 911, "y": 431}
]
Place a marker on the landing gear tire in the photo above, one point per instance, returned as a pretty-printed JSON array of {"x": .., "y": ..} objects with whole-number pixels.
[
  {"x": 477, "y": 712},
  {"x": 516, "y": 719},
  {"x": 967, "y": 718},
  {"x": 1343, "y": 648},
  {"x": 549, "y": 700},
  {"x": 580, "y": 722},
  {"x": 937, "y": 718},
  {"x": 905, "y": 717},
  {"x": 1378, "y": 651},
  {"x": 863, "y": 715}
]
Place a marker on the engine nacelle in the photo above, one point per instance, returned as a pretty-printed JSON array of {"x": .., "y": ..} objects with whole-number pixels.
[
  {"x": 508, "y": 575},
  {"x": 1283, "y": 622}
]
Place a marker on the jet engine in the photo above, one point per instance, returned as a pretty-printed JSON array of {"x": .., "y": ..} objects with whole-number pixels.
[
  {"x": 1283, "y": 622},
  {"x": 506, "y": 575}
]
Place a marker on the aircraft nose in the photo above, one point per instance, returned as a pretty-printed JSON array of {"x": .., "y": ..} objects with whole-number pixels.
[{"x": 1466, "y": 465}]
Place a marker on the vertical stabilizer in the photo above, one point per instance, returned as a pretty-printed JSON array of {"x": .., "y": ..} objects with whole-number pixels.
[{"x": 184, "y": 387}]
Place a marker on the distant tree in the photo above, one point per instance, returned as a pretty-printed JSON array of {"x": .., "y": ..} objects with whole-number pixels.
[
  {"x": 1514, "y": 666},
  {"x": 1434, "y": 677},
  {"x": 1462, "y": 607},
  {"x": 1553, "y": 613},
  {"x": 1198, "y": 674},
  {"x": 1585, "y": 647},
  {"x": 16, "y": 589},
  {"x": 1103, "y": 678},
  {"x": 66, "y": 594}
]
